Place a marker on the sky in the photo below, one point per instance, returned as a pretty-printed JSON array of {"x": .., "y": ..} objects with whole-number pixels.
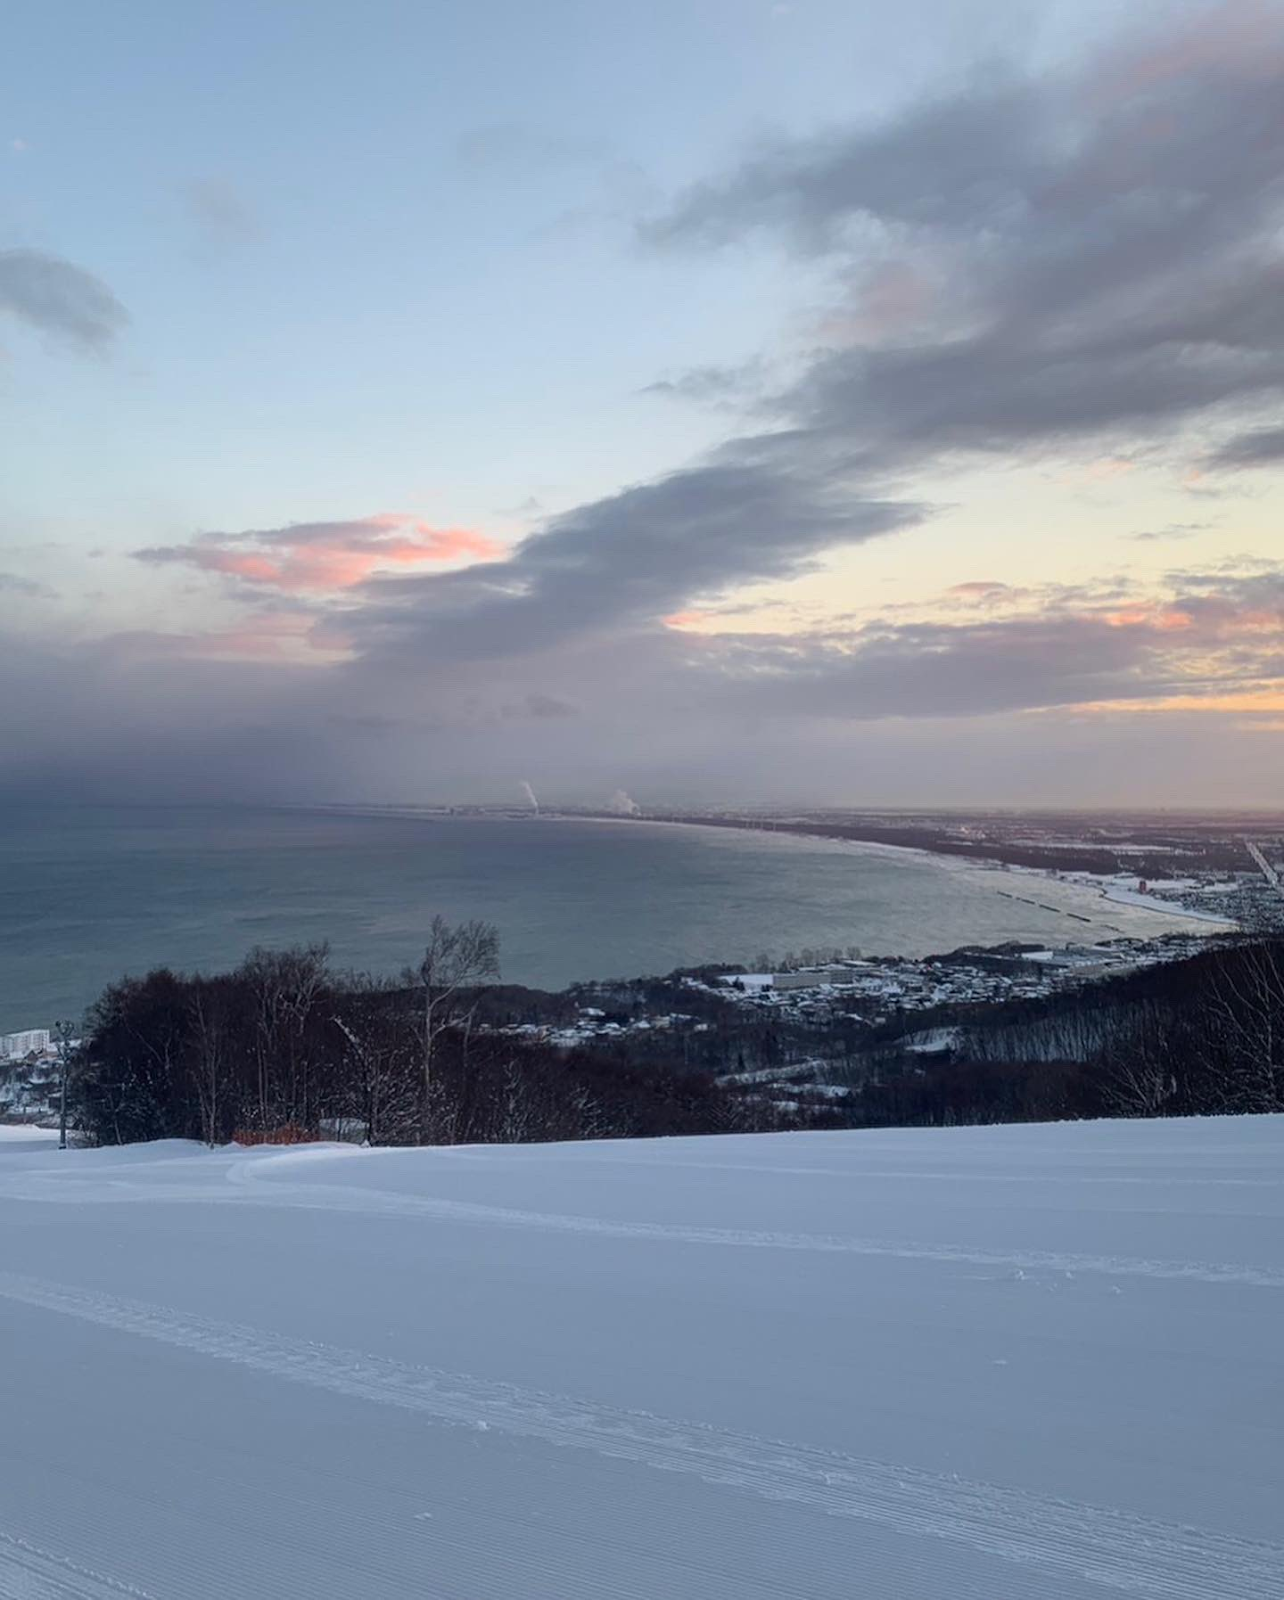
[{"x": 721, "y": 400}]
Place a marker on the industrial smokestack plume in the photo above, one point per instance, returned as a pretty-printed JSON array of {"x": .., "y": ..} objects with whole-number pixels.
[{"x": 530, "y": 795}]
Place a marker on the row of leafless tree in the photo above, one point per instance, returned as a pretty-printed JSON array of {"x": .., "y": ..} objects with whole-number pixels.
[
  {"x": 1201, "y": 1036},
  {"x": 284, "y": 1047}
]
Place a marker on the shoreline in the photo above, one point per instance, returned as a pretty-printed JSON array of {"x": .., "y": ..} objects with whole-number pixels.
[
  {"x": 1083, "y": 896},
  {"x": 1173, "y": 918},
  {"x": 1056, "y": 911}
]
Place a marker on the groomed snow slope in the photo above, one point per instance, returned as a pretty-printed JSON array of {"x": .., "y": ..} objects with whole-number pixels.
[{"x": 991, "y": 1363}]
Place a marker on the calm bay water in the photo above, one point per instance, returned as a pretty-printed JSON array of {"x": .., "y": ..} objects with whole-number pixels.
[{"x": 87, "y": 895}]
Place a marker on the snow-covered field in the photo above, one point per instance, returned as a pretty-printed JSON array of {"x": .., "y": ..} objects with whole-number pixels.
[
  {"x": 1123, "y": 891},
  {"x": 984, "y": 1363}
]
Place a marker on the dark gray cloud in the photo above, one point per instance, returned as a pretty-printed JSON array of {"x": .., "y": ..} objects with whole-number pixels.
[
  {"x": 1044, "y": 260},
  {"x": 1226, "y": 596},
  {"x": 628, "y": 559},
  {"x": 950, "y": 670},
  {"x": 1259, "y": 447},
  {"x": 950, "y": 162},
  {"x": 674, "y": 714},
  {"x": 56, "y": 297},
  {"x": 1028, "y": 264},
  {"x": 541, "y": 707},
  {"x": 99, "y": 720},
  {"x": 710, "y": 385}
]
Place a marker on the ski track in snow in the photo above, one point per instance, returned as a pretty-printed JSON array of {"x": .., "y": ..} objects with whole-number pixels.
[
  {"x": 915, "y": 1175},
  {"x": 28, "y": 1572},
  {"x": 252, "y": 1182},
  {"x": 462, "y": 1211},
  {"x": 1119, "y": 1552}
]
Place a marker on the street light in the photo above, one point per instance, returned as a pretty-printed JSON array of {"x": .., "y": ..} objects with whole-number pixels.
[{"x": 63, "y": 1032}]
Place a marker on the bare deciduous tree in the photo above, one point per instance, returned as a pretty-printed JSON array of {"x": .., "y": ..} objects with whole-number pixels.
[
  {"x": 287, "y": 985},
  {"x": 457, "y": 960},
  {"x": 1245, "y": 1022},
  {"x": 208, "y": 1050},
  {"x": 380, "y": 1065}
]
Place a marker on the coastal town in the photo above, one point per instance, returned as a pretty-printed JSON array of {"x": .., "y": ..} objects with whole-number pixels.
[
  {"x": 29, "y": 1070},
  {"x": 820, "y": 988},
  {"x": 869, "y": 992}
]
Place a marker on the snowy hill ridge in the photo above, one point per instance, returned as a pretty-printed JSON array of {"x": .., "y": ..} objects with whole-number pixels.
[{"x": 1001, "y": 1362}]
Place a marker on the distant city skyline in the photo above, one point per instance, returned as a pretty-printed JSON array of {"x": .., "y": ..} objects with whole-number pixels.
[{"x": 721, "y": 400}]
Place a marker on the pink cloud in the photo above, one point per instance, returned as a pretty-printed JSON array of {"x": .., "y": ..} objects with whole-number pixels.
[
  {"x": 1205, "y": 620},
  {"x": 327, "y": 557}
]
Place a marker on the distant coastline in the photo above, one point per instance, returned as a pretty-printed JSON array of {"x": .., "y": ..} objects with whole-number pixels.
[
  {"x": 106, "y": 893},
  {"x": 1078, "y": 897}
]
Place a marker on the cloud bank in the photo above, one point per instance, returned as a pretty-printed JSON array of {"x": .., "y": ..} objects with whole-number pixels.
[{"x": 1030, "y": 267}]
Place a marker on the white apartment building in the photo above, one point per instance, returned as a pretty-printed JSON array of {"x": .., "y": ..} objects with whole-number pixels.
[{"x": 16, "y": 1046}]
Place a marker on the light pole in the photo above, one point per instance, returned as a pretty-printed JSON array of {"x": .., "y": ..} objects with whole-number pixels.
[{"x": 63, "y": 1033}]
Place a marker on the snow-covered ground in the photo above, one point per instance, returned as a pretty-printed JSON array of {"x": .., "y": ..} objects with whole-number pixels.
[
  {"x": 1123, "y": 891},
  {"x": 976, "y": 1364},
  {"x": 1090, "y": 898}
]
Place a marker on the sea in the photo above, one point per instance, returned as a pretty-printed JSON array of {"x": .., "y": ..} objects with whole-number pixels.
[{"x": 89, "y": 894}]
